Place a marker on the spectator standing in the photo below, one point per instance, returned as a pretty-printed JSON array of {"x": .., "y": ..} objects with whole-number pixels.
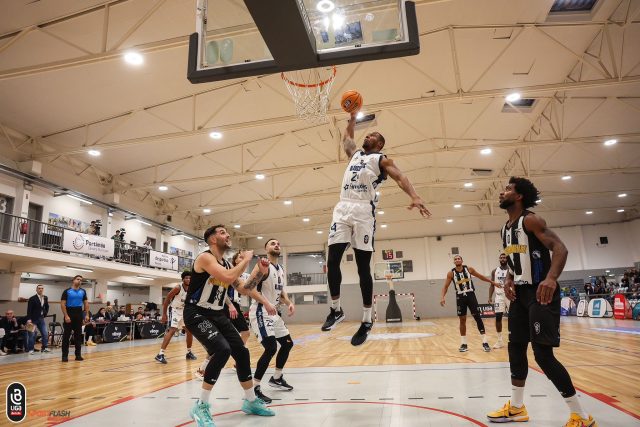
[{"x": 37, "y": 310}]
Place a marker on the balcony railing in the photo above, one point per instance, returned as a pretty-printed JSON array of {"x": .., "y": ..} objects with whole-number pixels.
[
  {"x": 300, "y": 279},
  {"x": 36, "y": 234}
]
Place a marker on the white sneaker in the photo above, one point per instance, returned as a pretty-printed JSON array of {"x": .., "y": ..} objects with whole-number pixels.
[
  {"x": 2, "y": 353},
  {"x": 31, "y": 353},
  {"x": 499, "y": 344}
]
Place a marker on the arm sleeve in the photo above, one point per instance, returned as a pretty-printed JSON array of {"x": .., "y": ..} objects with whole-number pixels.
[
  {"x": 64, "y": 295},
  {"x": 84, "y": 295}
]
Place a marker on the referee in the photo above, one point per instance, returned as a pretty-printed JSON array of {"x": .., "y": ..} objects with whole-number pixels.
[{"x": 72, "y": 302}]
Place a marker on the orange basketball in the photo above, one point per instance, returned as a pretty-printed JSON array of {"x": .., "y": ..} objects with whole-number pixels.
[{"x": 351, "y": 101}]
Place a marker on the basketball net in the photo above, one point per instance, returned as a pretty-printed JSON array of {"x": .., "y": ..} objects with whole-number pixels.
[{"x": 310, "y": 91}]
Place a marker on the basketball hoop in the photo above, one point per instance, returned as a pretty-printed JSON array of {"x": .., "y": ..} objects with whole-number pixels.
[{"x": 310, "y": 91}]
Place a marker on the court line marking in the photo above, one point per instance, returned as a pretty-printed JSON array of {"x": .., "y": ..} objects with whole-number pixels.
[{"x": 464, "y": 417}]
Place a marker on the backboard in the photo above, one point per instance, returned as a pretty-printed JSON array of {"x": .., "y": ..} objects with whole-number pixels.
[
  {"x": 381, "y": 269},
  {"x": 237, "y": 38}
]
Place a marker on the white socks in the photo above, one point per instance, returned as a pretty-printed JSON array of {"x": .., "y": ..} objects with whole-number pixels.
[
  {"x": 463, "y": 340},
  {"x": 161, "y": 351},
  {"x": 335, "y": 304},
  {"x": 204, "y": 395},
  {"x": 366, "y": 316},
  {"x": 188, "y": 350},
  {"x": 484, "y": 338},
  {"x": 574, "y": 405},
  {"x": 277, "y": 374},
  {"x": 517, "y": 396},
  {"x": 256, "y": 381},
  {"x": 249, "y": 394},
  {"x": 499, "y": 336}
]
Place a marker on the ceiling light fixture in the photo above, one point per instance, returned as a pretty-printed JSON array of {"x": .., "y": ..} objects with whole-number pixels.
[
  {"x": 457, "y": 206},
  {"x": 237, "y": 226},
  {"x": 359, "y": 115},
  {"x": 325, "y": 6},
  {"x": 589, "y": 212},
  {"x": 306, "y": 219},
  {"x": 69, "y": 267},
  {"x": 621, "y": 195},
  {"x": 318, "y": 232},
  {"x": 145, "y": 277},
  {"x": 288, "y": 202},
  {"x": 620, "y": 210},
  {"x": 142, "y": 222},
  {"x": 485, "y": 151},
  {"x": 259, "y": 176},
  {"x": 259, "y": 237},
  {"x": 215, "y": 135},
  {"x": 93, "y": 153},
  {"x": 79, "y": 199},
  {"x": 133, "y": 58},
  {"x": 187, "y": 237},
  {"x": 380, "y": 212},
  {"x": 468, "y": 184},
  {"x": 609, "y": 142},
  {"x": 449, "y": 220},
  {"x": 539, "y": 201},
  {"x": 512, "y": 97},
  {"x": 566, "y": 177},
  {"x": 206, "y": 210},
  {"x": 384, "y": 226},
  {"x": 163, "y": 188}
]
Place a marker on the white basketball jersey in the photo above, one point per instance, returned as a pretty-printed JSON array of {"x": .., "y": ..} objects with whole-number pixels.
[
  {"x": 362, "y": 177},
  {"x": 233, "y": 294},
  {"x": 501, "y": 276},
  {"x": 177, "y": 303},
  {"x": 271, "y": 287}
]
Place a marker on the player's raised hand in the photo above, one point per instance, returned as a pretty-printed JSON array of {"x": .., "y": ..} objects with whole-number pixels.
[
  {"x": 248, "y": 254},
  {"x": 419, "y": 204},
  {"x": 263, "y": 265}
]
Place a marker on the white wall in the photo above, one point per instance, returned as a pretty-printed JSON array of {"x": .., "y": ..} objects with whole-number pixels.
[
  {"x": 52, "y": 290},
  {"x": 127, "y": 295},
  {"x": 305, "y": 264}
]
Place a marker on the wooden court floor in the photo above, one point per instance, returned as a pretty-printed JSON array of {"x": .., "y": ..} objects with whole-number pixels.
[{"x": 602, "y": 355}]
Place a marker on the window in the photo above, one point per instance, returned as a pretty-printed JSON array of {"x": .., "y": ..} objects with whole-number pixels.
[{"x": 560, "y": 6}]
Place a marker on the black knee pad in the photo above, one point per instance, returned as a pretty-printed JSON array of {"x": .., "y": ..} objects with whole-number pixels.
[
  {"x": 553, "y": 369},
  {"x": 518, "y": 362},
  {"x": 243, "y": 363},
  {"x": 363, "y": 262},
  {"x": 285, "y": 342},
  {"x": 334, "y": 276},
  {"x": 479, "y": 323},
  {"x": 220, "y": 356}
]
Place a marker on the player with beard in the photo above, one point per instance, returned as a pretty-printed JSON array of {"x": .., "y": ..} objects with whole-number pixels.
[
  {"x": 534, "y": 316},
  {"x": 204, "y": 316}
]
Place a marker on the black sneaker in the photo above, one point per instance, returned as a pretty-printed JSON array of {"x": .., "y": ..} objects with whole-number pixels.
[
  {"x": 261, "y": 396},
  {"x": 333, "y": 319},
  {"x": 191, "y": 356},
  {"x": 79, "y": 358},
  {"x": 463, "y": 348},
  {"x": 280, "y": 383},
  {"x": 486, "y": 347},
  {"x": 65, "y": 359},
  {"x": 160, "y": 358},
  {"x": 361, "y": 335}
]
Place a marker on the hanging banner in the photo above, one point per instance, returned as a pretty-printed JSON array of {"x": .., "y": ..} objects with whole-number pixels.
[
  {"x": 89, "y": 244},
  {"x": 621, "y": 307},
  {"x": 162, "y": 260}
]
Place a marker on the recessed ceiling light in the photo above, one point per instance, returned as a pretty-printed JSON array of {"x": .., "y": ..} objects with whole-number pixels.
[
  {"x": 457, "y": 206},
  {"x": 69, "y": 267},
  {"x": 306, "y": 219},
  {"x": 215, "y": 135},
  {"x": 566, "y": 177},
  {"x": 384, "y": 226},
  {"x": 206, "y": 210},
  {"x": 589, "y": 212},
  {"x": 133, "y": 58},
  {"x": 259, "y": 176},
  {"x": 468, "y": 184},
  {"x": 359, "y": 115},
  {"x": 325, "y": 6},
  {"x": 622, "y": 195},
  {"x": 187, "y": 237},
  {"x": 539, "y": 201},
  {"x": 607, "y": 271},
  {"x": 620, "y": 210},
  {"x": 318, "y": 232},
  {"x": 259, "y": 237},
  {"x": 449, "y": 220},
  {"x": 145, "y": 277},
  {"x": 380, "y": 212},
  {"x": 485, "y": 151},
  {"x": 142, "y": 222},
  {"x": 288, "y": 202},
  {"x": 94, "y": 153},
  {"x": 512, "y": 97},
  {"x": 163, "y": 188},
  {"x": 610, "y": 142},
  {"x": 236, "y": 226}
]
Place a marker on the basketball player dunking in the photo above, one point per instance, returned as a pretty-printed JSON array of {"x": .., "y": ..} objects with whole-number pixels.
[
  {"x": 534, "y": 315},
  {"x": 500, "y": 303},
  {"x": 460, "y": 275},
  {"x": 204, "y": 316},
  {"x": 354, "y": 220}
]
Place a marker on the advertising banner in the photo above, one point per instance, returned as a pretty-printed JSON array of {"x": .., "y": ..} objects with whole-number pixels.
[
  {"x": 89, "y": 244},
  {"x": 162, "y": 260}
]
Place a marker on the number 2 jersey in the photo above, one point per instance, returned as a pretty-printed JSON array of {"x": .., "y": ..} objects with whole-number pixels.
[
  {"x": 362, "y": 177},
  {"x": 271, "y": 286}
]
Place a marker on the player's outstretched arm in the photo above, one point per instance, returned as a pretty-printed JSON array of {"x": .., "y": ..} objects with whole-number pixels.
[
  {"x": 403, "y": 182},
  {"x": 483, "y": 278},
  {"x": 348, "y": 143}
]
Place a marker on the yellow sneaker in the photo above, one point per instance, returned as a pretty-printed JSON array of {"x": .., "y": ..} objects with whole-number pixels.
[
  {"x": 577, "y": 421},
  {"x": 508, "y": 413}
]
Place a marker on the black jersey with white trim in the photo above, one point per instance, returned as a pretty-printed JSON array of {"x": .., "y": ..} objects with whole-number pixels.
[
  {"x": 528, "y": 259},
  {"x": 205, "y": 291}
]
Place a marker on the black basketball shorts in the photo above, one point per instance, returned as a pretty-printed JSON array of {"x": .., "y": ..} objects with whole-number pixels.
[
  {"x": 531, "y": 321},
  {"x": 464, "y": 301}
]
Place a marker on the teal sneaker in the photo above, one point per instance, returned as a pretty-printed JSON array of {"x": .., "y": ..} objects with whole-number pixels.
[
  {"x": 257, "y": 407},
  {"x": 201, "y": 414}
]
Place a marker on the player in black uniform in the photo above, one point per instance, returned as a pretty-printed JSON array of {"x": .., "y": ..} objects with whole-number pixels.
[
  {"x": 205, "y": 318},
  {"x": 534, "y": 315},
  {"x": 460, "y": 275}
]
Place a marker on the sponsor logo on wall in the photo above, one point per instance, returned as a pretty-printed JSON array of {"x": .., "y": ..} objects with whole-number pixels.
[
  {"x": 87, "y": 244},
  {"x": 162, "y": 260}
]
